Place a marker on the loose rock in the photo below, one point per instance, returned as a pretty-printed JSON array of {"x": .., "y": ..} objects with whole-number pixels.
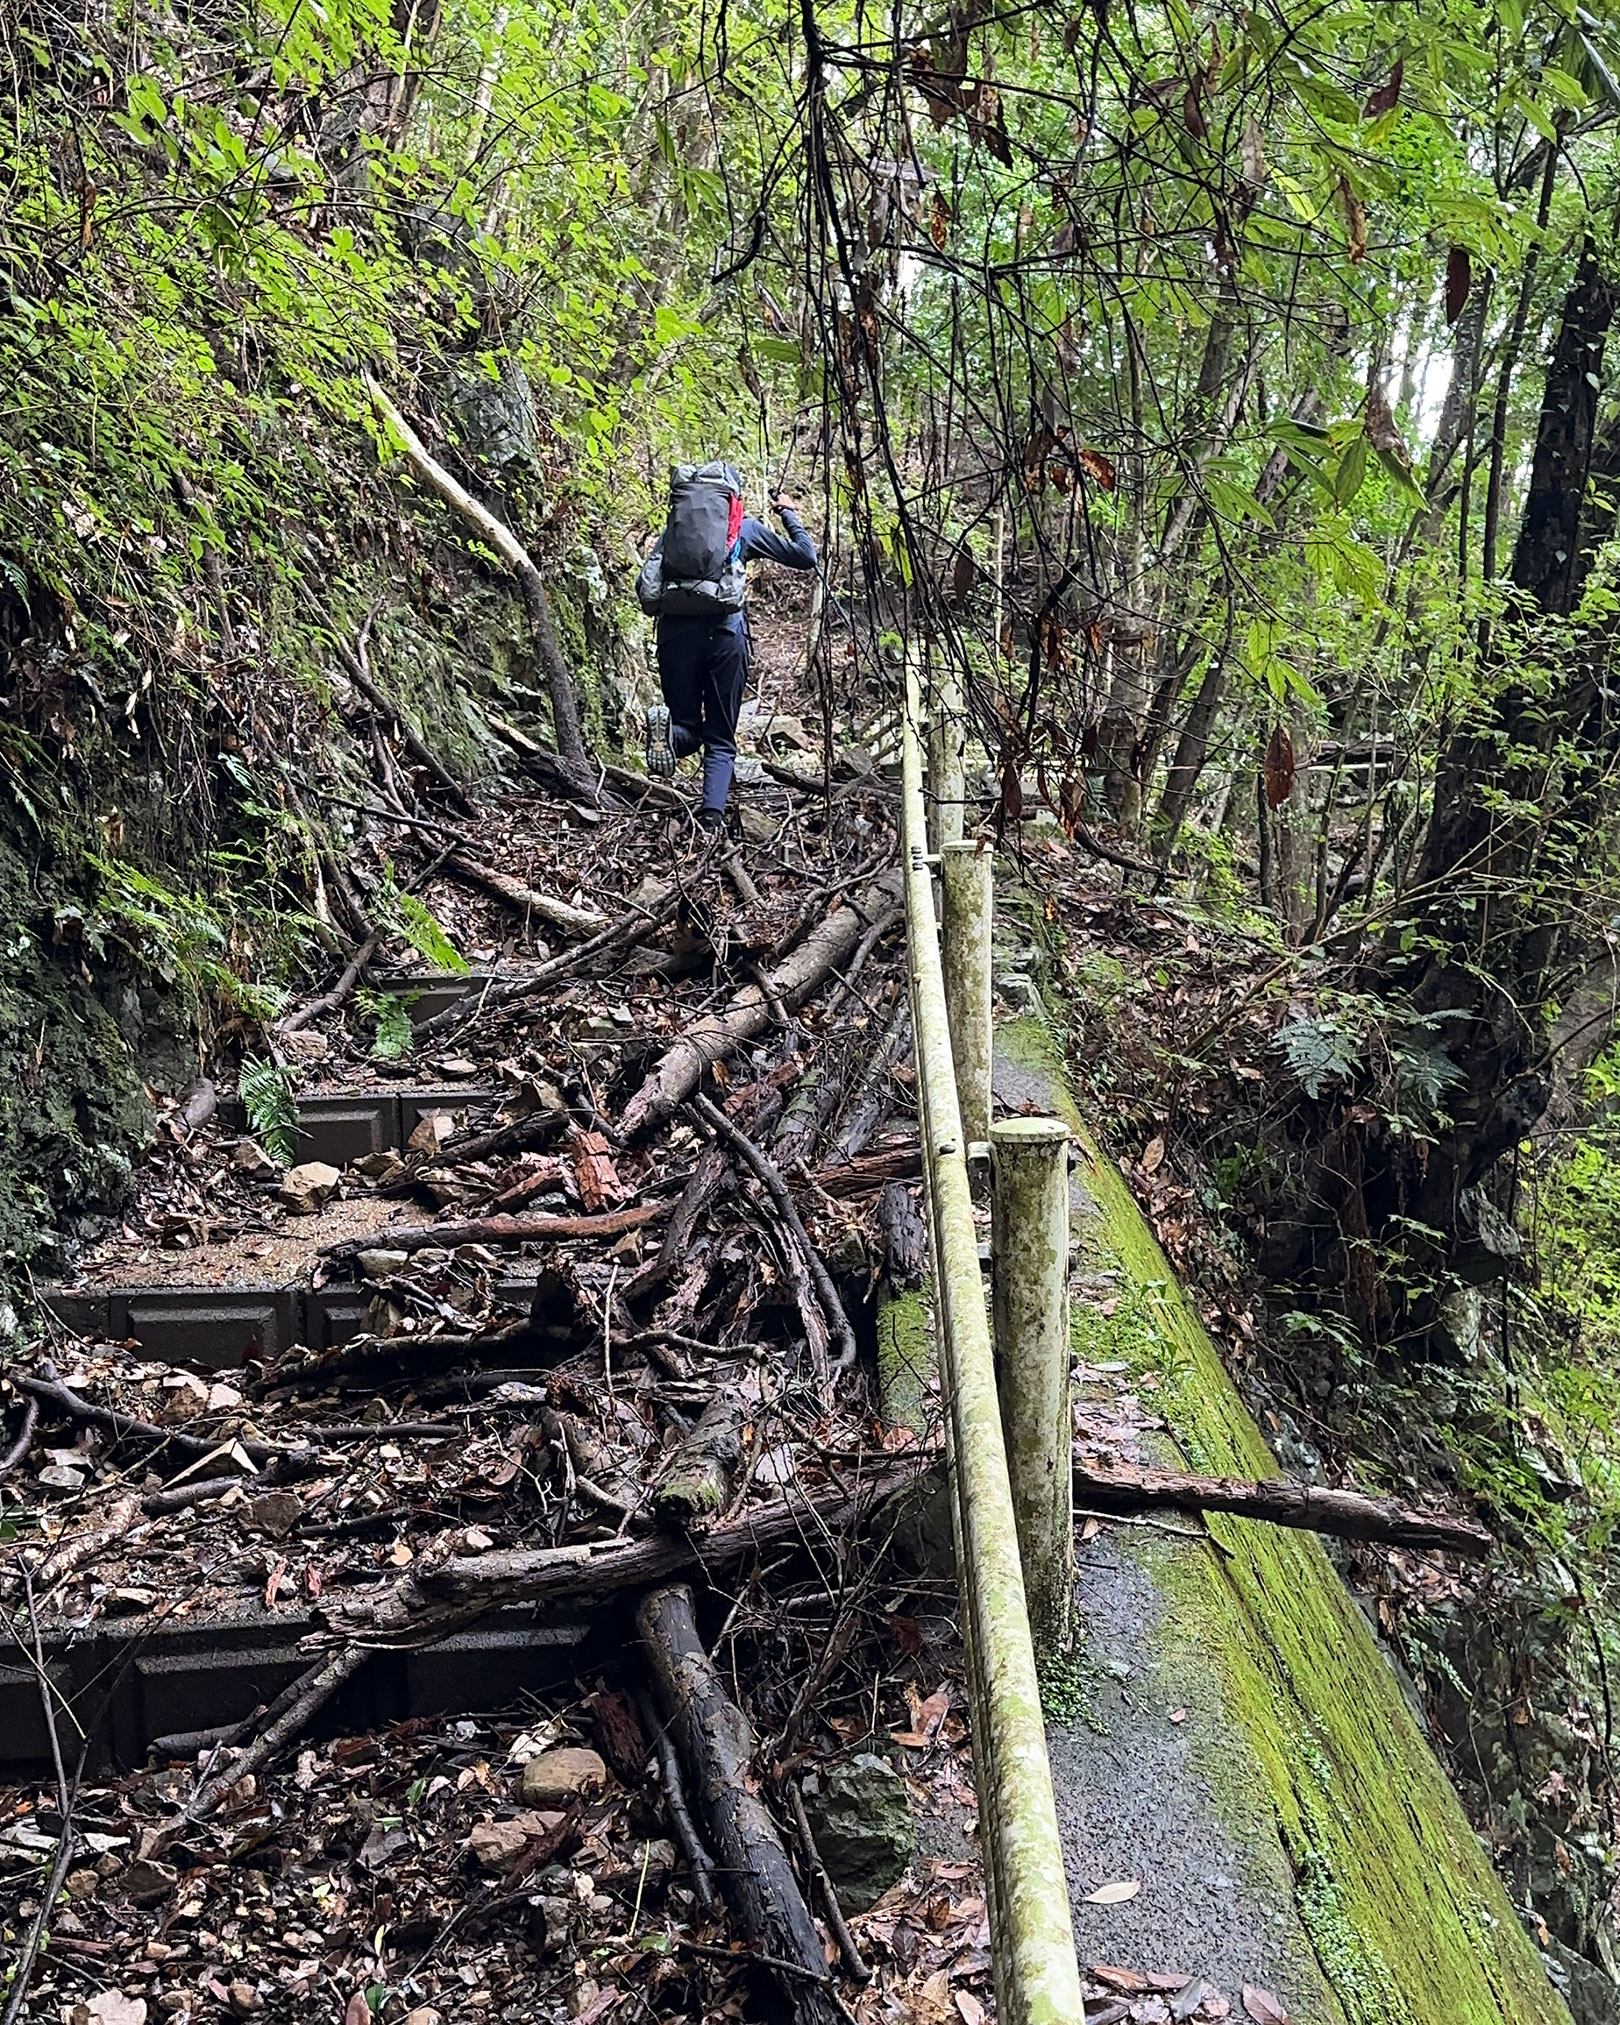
[
  {"x": 861, "y": 1819},
  {"x": 251, "y": 1159},
  {"x": 149, "y": 1883},
  {"x": 306, "y": 1187},
  {"x": 275, "y": 1513},
  {"x": 556, "y": 1777}
]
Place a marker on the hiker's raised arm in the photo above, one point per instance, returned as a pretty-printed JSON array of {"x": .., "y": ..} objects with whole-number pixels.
[{"x": 793, "y": 548}]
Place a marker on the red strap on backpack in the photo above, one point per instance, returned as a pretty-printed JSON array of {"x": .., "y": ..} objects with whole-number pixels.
[{"x": 734, "y": 521}]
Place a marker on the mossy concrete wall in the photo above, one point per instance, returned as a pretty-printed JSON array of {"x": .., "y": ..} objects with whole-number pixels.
[{"x": 1401, "y": 1904}]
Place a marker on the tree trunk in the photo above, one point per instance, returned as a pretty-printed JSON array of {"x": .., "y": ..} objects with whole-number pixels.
[
  {"x": 717, "y": 1743},
  {"x": 559, "y": 682}
]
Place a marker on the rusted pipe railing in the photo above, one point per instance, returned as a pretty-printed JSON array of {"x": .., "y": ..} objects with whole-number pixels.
[{"x": 1032, "y": 1940}]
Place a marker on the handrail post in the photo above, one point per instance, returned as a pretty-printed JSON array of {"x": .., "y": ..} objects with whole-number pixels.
[
  {"x": 966, "y": 877},
  {"x": 946, "y": 770},
  {"x": 1030, "y": 1249}
]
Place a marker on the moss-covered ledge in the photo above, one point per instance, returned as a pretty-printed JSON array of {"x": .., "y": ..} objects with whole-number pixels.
[{"x": 1401, "y": 1904}]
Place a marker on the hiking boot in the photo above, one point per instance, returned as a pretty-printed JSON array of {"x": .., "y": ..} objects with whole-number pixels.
[
  {"x": 711, "y": 821},
  {"x": 660, "y": 753}
]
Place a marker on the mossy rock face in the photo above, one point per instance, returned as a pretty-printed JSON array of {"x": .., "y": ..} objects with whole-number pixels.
[
  {"x": 72, "y": 1107},
  {"x": 861, "y": 1818},
  {"x": 1402, "y": 1906}
]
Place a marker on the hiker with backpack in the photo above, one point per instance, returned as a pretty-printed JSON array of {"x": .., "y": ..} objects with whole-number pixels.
[{"x": 694, "y": 582}]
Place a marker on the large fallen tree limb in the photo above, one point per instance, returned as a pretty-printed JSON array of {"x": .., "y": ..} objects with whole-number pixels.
[
  {"x": 431, "y": 1601},
  {"x": 717, "y": 1743},
  {"x": 501, "y": 1230},
  {"x": 715, "y": 1035},
  {"x": 559, "y": 681},
  {"x": 1309, "y": 1508},
  {"x": 524, "y": 899}
]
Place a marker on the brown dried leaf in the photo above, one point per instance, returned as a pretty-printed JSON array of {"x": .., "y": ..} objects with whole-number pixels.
[
  {"x": 939, "y": 220},
  {"x": 1459, "y": 280},
  {"x": 1387, "y": 96},
  {"x": 1152, "y": 1154},
  {"x": 1262, "y": 2007},
  {"x": 1097, "y": 466}
]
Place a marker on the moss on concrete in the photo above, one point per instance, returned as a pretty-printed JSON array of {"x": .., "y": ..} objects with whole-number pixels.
[{"x": 1407, "y": 1915}]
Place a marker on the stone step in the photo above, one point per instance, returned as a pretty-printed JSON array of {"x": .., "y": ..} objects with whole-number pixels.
[
  {"x": 343, "y": 1125},
  {"x": 126, "y": 1681},
  {"x": 223, "y": 1328}
]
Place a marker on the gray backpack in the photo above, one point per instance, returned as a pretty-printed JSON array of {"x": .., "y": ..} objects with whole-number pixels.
[{"x": 698, "y": 566}]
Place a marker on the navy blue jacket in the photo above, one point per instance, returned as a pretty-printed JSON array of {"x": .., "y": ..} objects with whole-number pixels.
[{"x": 756, "y": 542}]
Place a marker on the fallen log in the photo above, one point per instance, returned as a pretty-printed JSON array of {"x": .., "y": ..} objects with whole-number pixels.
[
  {"x": 697, "y": 1476},
  {"x": 705, "y": 1182},
  {"x": 525, "y": 899},
  {"x": 618, "y": 933},
  {"x": 329, "y": 1001},
  {"x": 713, "y": 1036},
  {"x": 1309, "y": 1508},
  {"x": 770, "y": 1175},
  {"x": 871, "y": 1098},
  {"x": 430, "y": 1601},
  {"x": 501, "y": 1230},
  {"x": 870, "y": 1171},
  {"x": 559, "y": 681},
  {"x": 717, "y": 1742}
]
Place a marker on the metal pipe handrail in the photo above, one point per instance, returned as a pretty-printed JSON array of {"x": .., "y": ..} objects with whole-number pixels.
[{"x": 1032, "y": 1938}]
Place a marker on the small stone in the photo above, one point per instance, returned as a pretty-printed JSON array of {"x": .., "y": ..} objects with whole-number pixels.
[
  {"x": 378, "y": 1166},
  {"x": 149, "y": 1883},
  {"x": 424, "y": 2014},
  {"x": 128, "y": 1602},
  {"x": 496, "y": 1844},
  {"x": 381, "y": 1264},
  {"x": 251, "y": 1161},
  {"x": 475, "y": 1541},
  {"x": 245, "y": 1999},
  {"x": 434, "y": 1131},
  {"x": 173, "y": 2001},
  {"x": 306, "y": 1187},
  {"x": 54, "y": 1477},
  {"x": 82, "y": 1884},
  {"x": 861, "y": 1819},
  {"x": 556, "y": 1777},
  {"x": 458, "y": 1068},
  {"x": 275, "y": 1513}
]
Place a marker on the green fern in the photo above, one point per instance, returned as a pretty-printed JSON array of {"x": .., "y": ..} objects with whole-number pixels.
[
  {"x": 422, "y": 929},
  {"x": 394, "y": 1033},
  {"x": 271, "y": 1106}
]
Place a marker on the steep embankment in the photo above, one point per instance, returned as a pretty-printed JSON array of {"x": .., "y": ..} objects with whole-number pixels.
[{"x": 1301, "y": 1735}]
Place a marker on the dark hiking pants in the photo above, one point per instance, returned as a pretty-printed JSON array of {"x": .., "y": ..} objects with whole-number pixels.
[{"x": 702, "y": 669}]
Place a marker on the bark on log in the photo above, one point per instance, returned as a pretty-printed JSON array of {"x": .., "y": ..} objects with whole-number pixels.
[
  {"x": 715, "y": 1035},
  {"x": 426, "y": 1602},
  {"x": 697, "y": 1477},
  {"x": 871, "y": 1170},
  {"x": 501, "y": 1230},
  {"x": 525, "y": 899},
  {"x": 871, "y": 1097},
  {"x": 706, "y": 1179},
  {"x": 1309, "y": 1508},
  {"x": 717, "y": 1744},
  {"x": 559, "y": 682}
]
